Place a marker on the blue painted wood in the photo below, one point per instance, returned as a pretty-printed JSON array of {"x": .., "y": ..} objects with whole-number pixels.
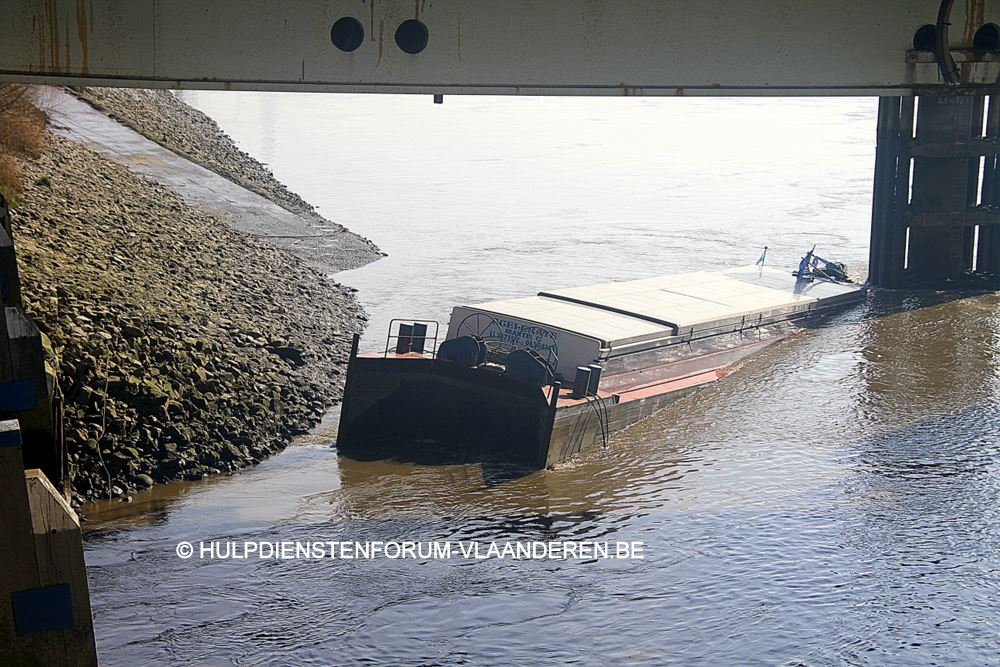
[
  {"x": 42, "y": 609},
  {"x": 18, "y": 395},
  {"x": 10, "y": 438}
]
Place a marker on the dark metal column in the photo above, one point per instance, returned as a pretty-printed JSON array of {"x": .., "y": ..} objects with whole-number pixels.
[
  {"x": 885, "y": 171},
  {"x": 988, "y": 255},
  {"x": 938, "y": 215},
  {"x": 892, "y": 174},
  {"x": 925, "y": 235}
]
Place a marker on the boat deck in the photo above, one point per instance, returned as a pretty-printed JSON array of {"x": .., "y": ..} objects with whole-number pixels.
[
  {"x": 620, "y": 313},
  {"x": 612, "y": 319}
]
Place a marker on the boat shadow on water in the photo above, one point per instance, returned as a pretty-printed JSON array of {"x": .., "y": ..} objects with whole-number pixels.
[{"x": 496, "y": 469}]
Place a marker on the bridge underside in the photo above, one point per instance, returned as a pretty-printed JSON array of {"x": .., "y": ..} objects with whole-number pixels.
[{"x": 555, "y": 47}]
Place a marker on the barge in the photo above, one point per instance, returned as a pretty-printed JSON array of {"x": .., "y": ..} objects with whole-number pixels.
[{"x": 536, "y": 380}]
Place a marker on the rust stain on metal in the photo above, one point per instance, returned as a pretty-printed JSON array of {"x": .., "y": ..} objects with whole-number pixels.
[
  {"x": 39, "y": 32},
  {"x": 974, "y": 16},
  {"x": 381, "y": 40},
  {"x": 69, "y": 52},
  {"x": 81, "y": 32},
  {"x": 679, "y": 92},
  {"x": 975, "y": 11},
  {"x": 52, "y": 24},
  {"x": 371, "y": 21}
]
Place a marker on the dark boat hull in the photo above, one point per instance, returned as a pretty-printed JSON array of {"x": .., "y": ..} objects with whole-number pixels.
[
  {"x": 586, "y": 425},
  {"x": 432, "y": 411},
  {"x": 425, "y": 410}
]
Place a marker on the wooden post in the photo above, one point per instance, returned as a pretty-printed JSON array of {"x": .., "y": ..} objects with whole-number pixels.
[
  {"x": 45, "y": 614},
  {"x": 10, "y": 283},
  {"x": 17, "y": 546},
  {"x": 59, "y": 553},
  {"x": 25, "y": 392},
  {"x": 5, "y": 217}
]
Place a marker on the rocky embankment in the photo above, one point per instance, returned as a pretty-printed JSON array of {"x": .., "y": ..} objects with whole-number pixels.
[
  {"x": 161, "y": 117},
  {"x": 184, "y": 347}
]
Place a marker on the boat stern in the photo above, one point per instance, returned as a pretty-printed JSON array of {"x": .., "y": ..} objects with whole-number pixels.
[{"x": 420, "y": 408}]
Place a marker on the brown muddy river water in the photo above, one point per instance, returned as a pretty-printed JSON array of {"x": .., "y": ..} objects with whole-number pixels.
[{"x": 836, "y": 500}]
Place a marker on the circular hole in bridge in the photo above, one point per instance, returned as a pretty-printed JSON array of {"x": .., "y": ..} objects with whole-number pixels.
[
  {"x": 411, "y": 36},
  {"x": 925, "y": 38},
  {"x": 347, "y": 34},
  {"x": 987, "y": 38}
]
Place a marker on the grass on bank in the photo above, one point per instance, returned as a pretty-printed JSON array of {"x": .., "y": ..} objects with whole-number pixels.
[{"x": 22, "y": 126}]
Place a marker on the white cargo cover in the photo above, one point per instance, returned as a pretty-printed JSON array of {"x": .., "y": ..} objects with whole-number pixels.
[{"x": 592, "y": 321}]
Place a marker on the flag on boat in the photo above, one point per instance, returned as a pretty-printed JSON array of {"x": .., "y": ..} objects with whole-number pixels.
[{"x": 760, "y": 262}]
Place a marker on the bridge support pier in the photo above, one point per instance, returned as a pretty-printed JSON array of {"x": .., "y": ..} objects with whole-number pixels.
[{"x": 934, "y": 209}]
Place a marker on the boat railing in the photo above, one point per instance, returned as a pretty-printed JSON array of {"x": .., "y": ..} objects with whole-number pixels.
[{"x": 412, "y": 337}]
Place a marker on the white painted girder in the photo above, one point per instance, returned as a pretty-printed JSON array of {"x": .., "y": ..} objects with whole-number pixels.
[{"x": 539, "y": 47}]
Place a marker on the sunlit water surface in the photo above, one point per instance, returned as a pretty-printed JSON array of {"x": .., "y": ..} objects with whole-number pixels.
[{"x": 833, "y": 501}]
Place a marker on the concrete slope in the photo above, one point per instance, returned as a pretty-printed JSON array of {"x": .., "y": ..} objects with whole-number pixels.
[{"x": 325, "y": 245}]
